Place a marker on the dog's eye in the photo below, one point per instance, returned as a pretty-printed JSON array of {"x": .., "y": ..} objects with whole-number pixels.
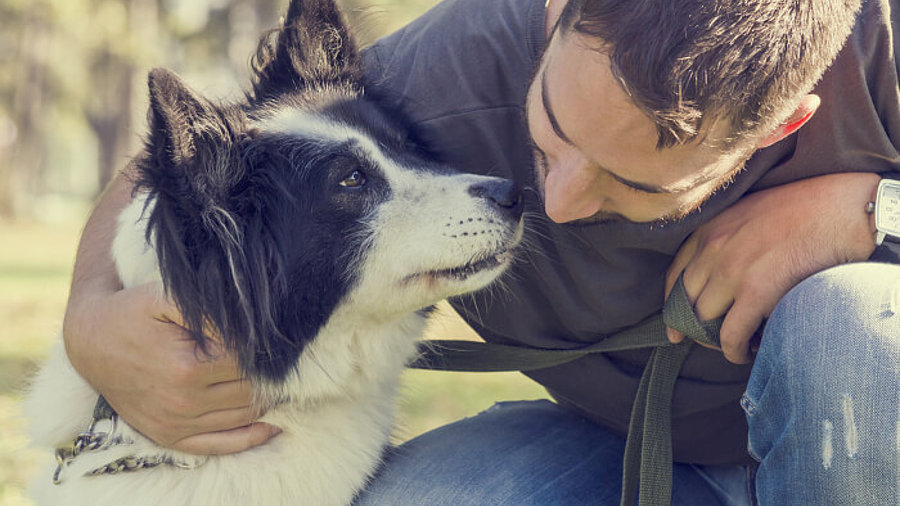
[{"x": 354, "y": 180}]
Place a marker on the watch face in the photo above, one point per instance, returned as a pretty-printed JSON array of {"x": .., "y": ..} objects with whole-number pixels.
[{"x": 887, "y": 207}]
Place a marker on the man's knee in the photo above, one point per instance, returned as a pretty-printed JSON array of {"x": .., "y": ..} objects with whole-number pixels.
[
  {"x": 822, "y": 398},
  {"x": 837, "y": 331},
  {"x": 839, "y": 312}
]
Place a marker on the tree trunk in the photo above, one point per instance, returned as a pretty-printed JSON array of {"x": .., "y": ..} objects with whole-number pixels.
[
  {"x": 21, "y": 172},
  {"x": 110, "y": 115}
]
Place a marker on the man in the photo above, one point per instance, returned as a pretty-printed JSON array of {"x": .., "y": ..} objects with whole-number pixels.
[{"x": 638, "y": 119}]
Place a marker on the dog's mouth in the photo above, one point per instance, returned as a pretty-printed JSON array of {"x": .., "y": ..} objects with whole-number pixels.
[{"x": 463, "y": 272}]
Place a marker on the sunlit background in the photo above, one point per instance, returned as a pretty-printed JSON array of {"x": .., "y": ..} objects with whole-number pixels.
[
  {"x": 73, "y": 81},
  {"x": 72, "y": 112}
]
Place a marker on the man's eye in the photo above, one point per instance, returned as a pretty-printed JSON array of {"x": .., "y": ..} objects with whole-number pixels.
[{"x": 354, "y": 180}]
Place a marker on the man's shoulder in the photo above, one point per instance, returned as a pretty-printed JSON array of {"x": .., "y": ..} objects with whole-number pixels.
[
  {"x": 461, "y": 24},
  {"x": 459, "y": 55}
]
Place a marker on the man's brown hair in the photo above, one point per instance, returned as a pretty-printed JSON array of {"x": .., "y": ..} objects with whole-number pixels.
[{"x": 691, "y": 63}]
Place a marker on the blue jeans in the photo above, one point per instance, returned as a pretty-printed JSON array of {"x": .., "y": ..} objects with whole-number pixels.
[
  {"x": 823, "y": 401},
  {"x": 822, "y": 405}
]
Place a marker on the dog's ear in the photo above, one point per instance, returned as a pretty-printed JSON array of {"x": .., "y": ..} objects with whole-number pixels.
[
  {"x": 178, "y": 117},
  {"x": 192, "y": 168},
  {"x": 312, "y": 47}
]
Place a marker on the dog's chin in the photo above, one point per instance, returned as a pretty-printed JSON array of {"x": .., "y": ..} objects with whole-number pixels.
[{"x": 467, "y": 277}]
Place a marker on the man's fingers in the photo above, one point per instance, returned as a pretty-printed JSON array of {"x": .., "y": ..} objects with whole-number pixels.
[
  {"x": 170, "y": 431},
  {"x": 219, "y": 368},
  {"x": 737, "y": 331},
  {"x": 754, "y": 303},
  {"x": 715, "y": 299},
  {"x": 682, "y": 259},
  {"x": 674, "y": 336},
  {"x": 228, "y": 395},
  {"x": 224, "y": 419},
  {"x": 218, "y": 407},
  {"x": 228, "y": 441}
]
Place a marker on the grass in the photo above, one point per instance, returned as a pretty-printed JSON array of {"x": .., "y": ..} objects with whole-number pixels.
[{"x": 35, "y": 267}]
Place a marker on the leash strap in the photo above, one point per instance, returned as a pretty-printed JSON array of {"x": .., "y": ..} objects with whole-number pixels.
[
  {"x": 647, "y": 466},
  {"x": 648, "y": 448}
]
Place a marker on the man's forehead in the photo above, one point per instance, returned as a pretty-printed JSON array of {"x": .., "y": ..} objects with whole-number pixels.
[{"x": 595, "y": 113}]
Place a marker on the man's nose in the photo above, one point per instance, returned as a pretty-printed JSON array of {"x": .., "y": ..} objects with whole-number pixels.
[{"x": 571, "y": 191}]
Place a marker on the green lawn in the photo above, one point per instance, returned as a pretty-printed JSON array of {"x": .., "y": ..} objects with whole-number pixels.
[{"x": 35, "y": 266}]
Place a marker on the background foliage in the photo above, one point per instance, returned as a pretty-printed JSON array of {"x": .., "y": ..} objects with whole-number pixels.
[
  {"x": 72, "y": 110},
  {"x": 72, "y": 81}
]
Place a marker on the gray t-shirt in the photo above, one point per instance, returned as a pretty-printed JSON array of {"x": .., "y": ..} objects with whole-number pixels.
[{"x": 461, "y": 72}]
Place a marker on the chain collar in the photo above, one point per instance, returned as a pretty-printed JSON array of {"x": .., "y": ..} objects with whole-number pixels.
[{"x": 93, "y": 440}]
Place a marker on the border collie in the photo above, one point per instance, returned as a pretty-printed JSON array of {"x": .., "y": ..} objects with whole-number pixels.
[{"x": 305, "y": 228}]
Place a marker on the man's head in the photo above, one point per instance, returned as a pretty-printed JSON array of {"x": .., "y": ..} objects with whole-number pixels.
[{"x": 640, "y": 109}]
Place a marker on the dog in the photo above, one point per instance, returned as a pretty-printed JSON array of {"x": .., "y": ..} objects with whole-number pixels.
[{"x": 307, "y": 229}]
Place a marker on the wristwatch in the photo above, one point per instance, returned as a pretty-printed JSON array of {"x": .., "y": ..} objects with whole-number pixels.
[{"x": 887, "y": 211}]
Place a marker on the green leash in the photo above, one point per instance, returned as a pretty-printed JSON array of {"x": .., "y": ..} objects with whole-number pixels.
[{"x": 648, "y": 448}]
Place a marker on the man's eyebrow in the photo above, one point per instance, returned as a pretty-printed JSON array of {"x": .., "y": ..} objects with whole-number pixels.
[
  {"x": 644, "y": 187},
  {"x": 554, "y": 124}
]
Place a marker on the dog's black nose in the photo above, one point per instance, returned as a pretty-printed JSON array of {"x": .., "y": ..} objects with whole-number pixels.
[{"x": 502, "y": 193}]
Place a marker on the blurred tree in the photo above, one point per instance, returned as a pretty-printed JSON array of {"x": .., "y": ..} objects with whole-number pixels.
[
  {"x": 113, "y": 70},
  {"x": 24, "y": 88},
  {"x": 72, "y": 78},
  {"x": 70, "y": 69}
]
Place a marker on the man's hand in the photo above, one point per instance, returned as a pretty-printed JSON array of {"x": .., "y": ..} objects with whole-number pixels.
[
  {"x": 128, "y": 344},
  {"x": 744, "y": 260}
]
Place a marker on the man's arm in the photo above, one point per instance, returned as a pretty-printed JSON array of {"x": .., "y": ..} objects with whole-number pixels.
[
  {"x": 126, "y": 344},
  {"x": 743, "y": 261}
]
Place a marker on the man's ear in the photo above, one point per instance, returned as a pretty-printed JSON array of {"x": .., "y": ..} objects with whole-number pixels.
[{"x": 805, "y": 109}]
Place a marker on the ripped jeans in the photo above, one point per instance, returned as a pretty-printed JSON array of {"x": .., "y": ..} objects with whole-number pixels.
[
  {"x": 823, "y": 404},
  {"x": 823, "y": 401}
]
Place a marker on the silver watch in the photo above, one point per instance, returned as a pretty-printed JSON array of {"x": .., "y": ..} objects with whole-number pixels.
[{"x": 887, "y": 211}]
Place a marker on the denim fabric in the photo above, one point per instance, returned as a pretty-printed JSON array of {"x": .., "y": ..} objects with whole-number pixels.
[
  {"x": 822, "y": 405},
  {"x": 530, "y": 453},
  {"x": 822, "y": 401}
]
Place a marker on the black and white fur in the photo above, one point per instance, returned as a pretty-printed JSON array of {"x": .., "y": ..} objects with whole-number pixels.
[{"x": 306, "y": 228}]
